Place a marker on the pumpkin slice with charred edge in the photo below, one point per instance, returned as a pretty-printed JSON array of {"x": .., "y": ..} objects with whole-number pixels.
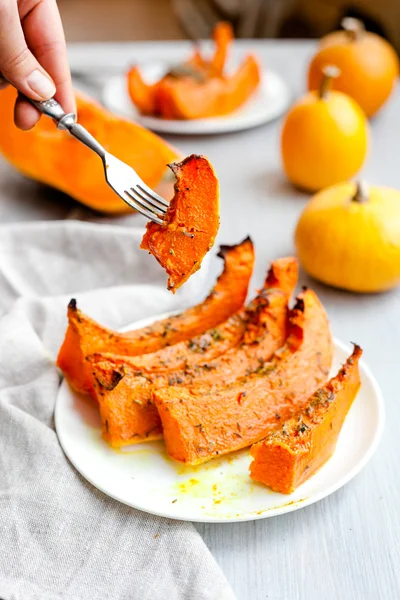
[
  {"x": 125, "y": 396},
  {"x": 242, "y": 327},
  {"x": 57, "y": 159},
  {"x": 84, "y": 336},
  {"x": 191, "y": 223},
  {"x": 197, "y": 88},
  {"x": 201, "y": 422},
  {"x": 289, "y": 456}
]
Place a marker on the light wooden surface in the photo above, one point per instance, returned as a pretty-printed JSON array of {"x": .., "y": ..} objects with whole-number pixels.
[{"x": 347, "y": 546}]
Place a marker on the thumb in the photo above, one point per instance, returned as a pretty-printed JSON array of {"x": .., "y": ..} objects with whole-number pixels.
[{"x": 17, "y": 63}]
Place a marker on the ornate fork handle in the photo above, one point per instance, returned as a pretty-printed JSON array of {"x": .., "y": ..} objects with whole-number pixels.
[{"x": 53, "y": 109}]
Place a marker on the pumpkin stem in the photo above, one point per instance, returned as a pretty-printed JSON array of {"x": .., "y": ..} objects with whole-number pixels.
[
  {"x": 354, "y": 28},
  {"x": 329, "y": 72},
  {"x": 361, "y": 195}
]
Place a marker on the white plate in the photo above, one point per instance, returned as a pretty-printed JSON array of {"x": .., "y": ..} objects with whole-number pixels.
[
  {"x": 267, "y": 103},
  {"x": 143, "y": 476}
]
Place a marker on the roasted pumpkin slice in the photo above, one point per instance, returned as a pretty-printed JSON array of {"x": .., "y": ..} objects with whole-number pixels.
[
  {"x": 191, "y": 223},
  {"x": 125, "y": 394},
  {"x": 201, "y": 422},
  {"x": 244, "y": 326},
  {"x": 84, "y": 336},
  {"x": 289, "y": 456},
  {"x": 198, "y": 88},
  {"x": 50, "y": 156}
]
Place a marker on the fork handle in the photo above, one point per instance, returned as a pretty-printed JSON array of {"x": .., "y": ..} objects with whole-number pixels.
[{"x": 53, "y": 109}]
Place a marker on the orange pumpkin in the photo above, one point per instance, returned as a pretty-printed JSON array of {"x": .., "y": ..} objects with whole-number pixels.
[
  {"x": 369, "y": 65},
  {"x": 57, "y": 159},
  {"x": 198, "y": 88},
  {"x": 324, "y": 137}
]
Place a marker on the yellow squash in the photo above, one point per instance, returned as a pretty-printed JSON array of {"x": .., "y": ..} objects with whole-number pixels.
[{"x": 349, "y": 237}]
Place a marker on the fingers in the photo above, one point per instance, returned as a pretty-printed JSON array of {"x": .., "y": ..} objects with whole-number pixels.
[
  {"x": 25, "y": 115},
  {"x": 17, "y": 63},
  {"x": 45, "y": 37}
]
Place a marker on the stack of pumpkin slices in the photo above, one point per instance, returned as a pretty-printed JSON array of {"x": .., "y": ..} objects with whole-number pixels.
[{"x": 222, "y": 376}]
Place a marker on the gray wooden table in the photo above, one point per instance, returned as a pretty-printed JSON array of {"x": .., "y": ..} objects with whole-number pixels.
[{"x": 346, "y": 546}]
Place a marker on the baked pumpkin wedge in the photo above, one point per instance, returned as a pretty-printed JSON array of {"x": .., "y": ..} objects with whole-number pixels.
[
  {"x": 198, "y": 88},
  {"x": 242, "y": 327},
  {"x": 125, "y": 394},
  {"x": 200, "y": 422},
  {"x": 50, "y": 156},
  {"x": 191, "y": 224},
  {"x": 84, "y": 336},
  {"x": 289, "y": 456}
]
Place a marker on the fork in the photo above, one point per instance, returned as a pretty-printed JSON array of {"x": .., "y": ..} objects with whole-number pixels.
[{"x": 120, "y": 177}]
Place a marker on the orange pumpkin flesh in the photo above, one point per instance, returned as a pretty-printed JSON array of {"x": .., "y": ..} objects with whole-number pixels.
[
  {"x": 202, "y": 422},
  {"x": 85, "y": 337},
  {"x": 125, "y": 402},
  {"x": 200, "y": 89},
  {"x": 55, "y": 158},
  {"x": 289, "y": 456},
  {"x": 191, "y": 223}
]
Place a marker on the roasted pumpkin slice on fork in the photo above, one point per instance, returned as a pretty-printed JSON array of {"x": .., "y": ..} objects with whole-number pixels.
[
  {"x": 201, "y": 422},
  {"x": 124, "y": 386},
  {"x": 198, "y": 88},
  {"x": 289, "y": 456},
  {"x": 191, "y": 223},
  {"x": 84, "y": 336}
]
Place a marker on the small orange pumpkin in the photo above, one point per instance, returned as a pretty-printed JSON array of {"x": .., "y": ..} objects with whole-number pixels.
[
  {"x": 324, "y": 137},
  {"x": 369, "y": 65}
]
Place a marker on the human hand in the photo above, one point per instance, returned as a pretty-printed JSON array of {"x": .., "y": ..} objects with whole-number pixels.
[{"x": 33, "y": 56}]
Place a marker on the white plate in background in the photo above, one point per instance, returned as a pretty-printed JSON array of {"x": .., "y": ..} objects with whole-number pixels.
[{"x": 268, "y": 102}]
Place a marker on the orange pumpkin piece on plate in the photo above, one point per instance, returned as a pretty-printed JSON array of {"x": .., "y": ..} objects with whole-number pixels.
[
  {"x": 124, "y": 387},
  {"x": 191, "y": 223},
  {"x": 289, "y": 456},
  {"x": 201, "y": 422},
  {"x": 57, "y": 159},
  {"x": 198, "y": 88},
  {"x": 84, "y": 336}
]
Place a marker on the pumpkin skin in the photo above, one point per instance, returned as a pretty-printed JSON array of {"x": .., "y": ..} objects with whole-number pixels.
[
  {"x": 55, "y": 158},
  {"x": 191, "y": 223},
  {"x": 201, "y": 90},
  {"x": 352, "y": 243},
  {"x": 291, "y": 455},
  {"x": 324, "y": 140},
  {"x": 369, "y": 67}
]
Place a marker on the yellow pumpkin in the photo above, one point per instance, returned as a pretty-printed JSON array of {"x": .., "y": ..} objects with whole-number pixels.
[
  {"x": 349, "y": 237},
  {"x": 324, "y": 137}
]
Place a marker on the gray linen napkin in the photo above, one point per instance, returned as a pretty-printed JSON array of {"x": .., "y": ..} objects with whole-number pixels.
[{"x": 60, "y": 538}]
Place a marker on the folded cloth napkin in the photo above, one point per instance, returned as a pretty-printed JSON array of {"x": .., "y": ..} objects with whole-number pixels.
[{"x": 60, "y": 538}]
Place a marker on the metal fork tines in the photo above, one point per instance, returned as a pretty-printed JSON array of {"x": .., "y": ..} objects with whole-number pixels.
[
  {"x": 120, "y": 177},
  {"x": 151, "y": 205}
]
